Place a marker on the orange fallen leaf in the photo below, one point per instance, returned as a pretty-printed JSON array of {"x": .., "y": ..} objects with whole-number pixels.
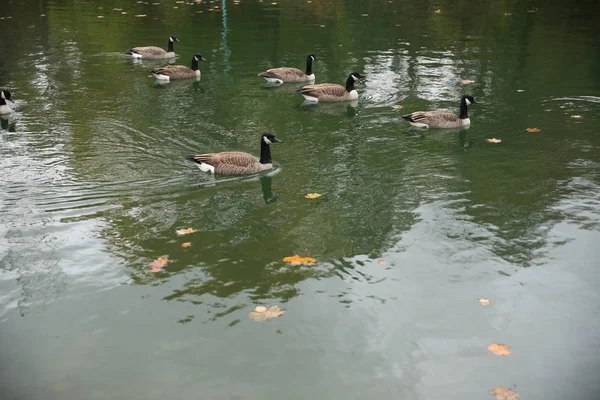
[
  {"x": 158, "y": 264},
  {"x": 398, "y": 25},
  {"x": 533, "y": 130},
  {"x": 494, "y": 140},
  {"x": 381, "y": 261},
  {"x": 262, "y": 313},
  {"x": 484, "y": 301},
  {"x": 185, "y": 231},
  {"x": 186, "y": 244},
  {"x": 466, "y": 81},
  {"x": 438, "y": 11},
  {"x": 297, "y": 260},
  {"x": 504, "y": 394},
  {"x": 398, "y": 107},
  {"x": 313, "y": 195},
  {"x": 499, "y": 349},
  {"x": 576, "y": 116}
]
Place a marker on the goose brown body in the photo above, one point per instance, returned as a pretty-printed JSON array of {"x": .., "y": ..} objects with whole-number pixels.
[
  {"x": 330, "y": 92},
  {"x": 442, "y": 119},
  {"x": 175, "y": 72},
  {"x": 290, "y": 74},
  {"x": 237, "y": 162},
  {"x": 233, "y": 163},
  {"x": 154, "y": 52}
]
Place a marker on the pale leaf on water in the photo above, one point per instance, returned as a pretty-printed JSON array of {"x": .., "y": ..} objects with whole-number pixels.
[
  {"x": 504, "y": 394},
  {"x": 484, "y": 301},
  {"x": 262, "y": 313},
  {"x": 499, "y": 349}
]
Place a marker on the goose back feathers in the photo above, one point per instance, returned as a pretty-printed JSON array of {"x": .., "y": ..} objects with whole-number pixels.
[
  {"x": 330, "y": 91},
  {"x": 237, "y": 162},
  {"x": 174, "y": 72},
  {"x": 289, "y": 74},
  {"x": 442, "y": 119},
  {"x": 154, "y": 52}
]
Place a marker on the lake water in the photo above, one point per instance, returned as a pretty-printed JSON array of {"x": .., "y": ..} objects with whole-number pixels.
[{"x": 413, "y": 227}]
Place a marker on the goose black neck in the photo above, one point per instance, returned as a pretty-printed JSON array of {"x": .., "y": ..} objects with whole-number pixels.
[
  {"x": 2, "y": 101},
  {"x": 194, "y": 64},
  {"x": 170, "y": 46},
  {"x": 463, "y": 109},
  {"x": 309, "y": 61},
  {"x": 350, "y": 83},
  {"x": 265, "y": 152}
]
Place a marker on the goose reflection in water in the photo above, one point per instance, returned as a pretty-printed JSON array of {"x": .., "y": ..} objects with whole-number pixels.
[{"x": 266, "y": 182}]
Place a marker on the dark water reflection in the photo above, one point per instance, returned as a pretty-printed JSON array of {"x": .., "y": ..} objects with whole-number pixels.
[{"x": 413, "y": 226}]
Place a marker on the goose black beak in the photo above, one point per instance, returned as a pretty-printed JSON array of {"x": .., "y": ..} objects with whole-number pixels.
[
  {"x": 275, "y": 140},
  {"x": 202, "y": 59}
]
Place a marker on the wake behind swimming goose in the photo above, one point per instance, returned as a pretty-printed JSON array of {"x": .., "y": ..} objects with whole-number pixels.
[
  {"x": 237, "y": 162},
  {"x": 442, "y": 118},
  {"x": 289, "y": 74},
  {"x": 174, "y": 72},
  {"x": 154, "y": 52},
  {"x": 330, "y": 91}
]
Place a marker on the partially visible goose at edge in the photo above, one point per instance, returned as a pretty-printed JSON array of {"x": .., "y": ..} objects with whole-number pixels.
[
  {"x": 289, "y": 74},
  {"x": 441, "y": 118},
  {"x": 331, "y": 91},
  {"x": 237, "y": 162},
  {"x": 154, "y": 52},
  {"x": 174, "y": 72},
  {"x": 4, "y": 107}
]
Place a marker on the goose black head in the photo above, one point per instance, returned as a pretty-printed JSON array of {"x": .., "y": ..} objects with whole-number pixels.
[
  {"x": 173, "y": 39},
  {"x": 5, "y": 95},
  {"x": 269, "y": 138},
  {"x": 469, "y": 99},
  {"x": 198, "y": 57},
  {"x": 357, "y": 75}
]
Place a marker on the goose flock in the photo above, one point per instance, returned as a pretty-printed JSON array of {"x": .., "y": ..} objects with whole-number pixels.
[{"x": 240, "y": 163}]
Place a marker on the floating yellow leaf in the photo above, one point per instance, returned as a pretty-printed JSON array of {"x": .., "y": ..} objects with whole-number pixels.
[
  {"x": 438, "y": 11},
  {"x": 504, "y": 394},
  {"x": 466, "y": 81},
  {"x": 297, "y": 260},
  {"x": 494, "y": 140},
  {"x": 261, "y": 313},
  {"x": 507, "y": 14},
  {"x": 364, "y": 15},
  {"x": 576, "y": 116},
  {"x": 533, "y": 130},
  {"x": 398, "y": 107},
  {"x": 531, "y": 11},
  {"x": 499, "y": 349},
  {"x": 322, "y": 26},
  {"x": 158, "y": 264},
  {"x": 313, "y": 195},
  {"x": 398, "y": 25},
  {"x": 186, "y": 244},
  {"x": 185, "y": 231},
  {"x": 484, "y": 301}
]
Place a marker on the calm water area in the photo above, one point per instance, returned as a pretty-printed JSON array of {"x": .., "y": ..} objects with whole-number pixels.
[{"x": 413, "y": 226}]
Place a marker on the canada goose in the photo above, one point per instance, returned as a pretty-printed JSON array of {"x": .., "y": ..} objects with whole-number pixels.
[
  {"x": 331, "y": 91},
  {"x": 440, "y": 118},
  {"x": 4, "y": 96},
  {"x": 173, "y": 72},
  {"x": 237, "y": 162},
  {"x": 289, "y": 74},
  {"x": 154, "y": 52}
]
